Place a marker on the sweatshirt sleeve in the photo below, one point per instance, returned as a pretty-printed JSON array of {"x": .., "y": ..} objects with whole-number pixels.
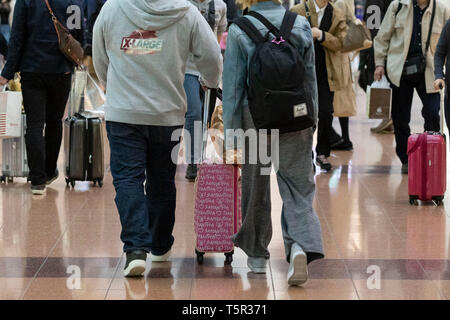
[
  {"x": 381, "y": 41},
  {"x": 17, "y": 40},
  {"x": 99, "y": 54},
  {"x": 441, "y": 52},
  {"x": 206, "y": 52}
]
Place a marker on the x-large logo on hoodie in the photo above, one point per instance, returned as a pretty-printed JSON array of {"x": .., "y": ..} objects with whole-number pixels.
[{"x": 142, "y": 42}]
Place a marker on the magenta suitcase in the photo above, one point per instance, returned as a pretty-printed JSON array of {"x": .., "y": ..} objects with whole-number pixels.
[
  {"x": 217, "y": 212},
  {"x": 427, "y": 165},
  {"x": 217, "y": 209}
]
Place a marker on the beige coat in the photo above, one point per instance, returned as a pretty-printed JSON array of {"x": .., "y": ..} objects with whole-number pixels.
[
  {"x": 392, "y": 43},
  {"x": 344, "y": 102},
  {"x": 338, "y": 75}
]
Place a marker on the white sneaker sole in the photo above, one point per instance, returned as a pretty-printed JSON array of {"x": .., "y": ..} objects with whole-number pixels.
[
  {"x": 298, "y": 270},
  {"x": 135, "y": 269},
  {"x": 163, "y": 258},
  {"x": 38, "y": 192}
]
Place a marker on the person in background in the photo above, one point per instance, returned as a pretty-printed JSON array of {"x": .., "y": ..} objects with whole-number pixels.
[
  {"x": 145, "y": 104},
  {"x": 374, "y": 12},
  {"x": 441, "y": 59},
  {"x": 329, "y": 29},
  {"x": 5, "y": 12},
  {"x": 215, "y": 13},
  {"x": 344, "y": 102},
  {"x": 400, "y": 48},
  {"x": 300, "y": 225},
  {"x": 46, "y": 80},
  {"x": 233, "y": 11},
  {"x": 92, "y": 10}
]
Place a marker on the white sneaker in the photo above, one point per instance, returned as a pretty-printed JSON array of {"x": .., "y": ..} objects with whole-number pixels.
[
  {"x": 298, "y": 268},
  {"x": 163, "y": 258},
  {"x": 257, "y": 265},
  {"x": 135, "y": 264}
]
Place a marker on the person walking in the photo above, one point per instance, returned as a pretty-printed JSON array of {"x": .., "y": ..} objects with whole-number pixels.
[
  {"x": 301, "y": 227},
  {"x": 46, "y": 80},
  {"x": 140, "y": 51},
  {"x": 404, "y": 49},
  {"x": 344, "y": 101},
  {"x": 328, "y": 28},
  {"x": 441, "y": 59},
  {"x": 215, "y": 13}
]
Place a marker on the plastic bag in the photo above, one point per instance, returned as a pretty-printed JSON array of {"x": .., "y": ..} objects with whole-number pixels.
[{"x": 381, "y": 84}]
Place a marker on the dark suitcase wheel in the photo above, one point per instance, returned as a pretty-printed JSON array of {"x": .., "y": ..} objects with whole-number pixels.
[
  {"x": 28, "y": 180},
  {"x": 199, "y": 256},
  {"x": 3, "y": 179},
  {"x": 94, "y": 182},
  {"x": 437, "y": 202},
  {"x": 72, "y": 183},
  {"x": 100, "y": 183},
  {"x": 10, "y": 179},
  {"x": 228, "y": 258}
]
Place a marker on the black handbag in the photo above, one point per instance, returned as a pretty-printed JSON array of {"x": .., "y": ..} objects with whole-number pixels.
[{"x": 416, "y": 65}]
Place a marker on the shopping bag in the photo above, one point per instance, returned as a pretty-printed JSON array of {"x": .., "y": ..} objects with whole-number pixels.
[
  {"x": 379, "y": 99},
  {"x": 10, "y": 114},
  {"x": 76, "y": 96},
  {"x": 358, "y": 37}
]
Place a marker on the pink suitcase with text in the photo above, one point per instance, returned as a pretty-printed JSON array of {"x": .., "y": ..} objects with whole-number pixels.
[
  {"x": 427, "y": 165},
  {"x": 217, "y": 213}
]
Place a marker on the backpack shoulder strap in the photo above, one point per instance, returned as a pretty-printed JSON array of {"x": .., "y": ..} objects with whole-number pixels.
[
  {"x": 288, "y": 24},
  {"x": 433, "y": 14},
  {"x": 250, "y": 30},
  {"x": 274, "y": 30}
]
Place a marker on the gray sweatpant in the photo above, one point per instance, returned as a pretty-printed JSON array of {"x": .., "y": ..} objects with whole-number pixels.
[{"x": 295, "y": 177}]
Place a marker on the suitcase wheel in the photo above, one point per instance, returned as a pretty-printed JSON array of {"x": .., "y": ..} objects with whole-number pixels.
[
  {"x": 199, "y": 256},
  {"x": 100, "y": 183},
  {"x": 70, "y": 182},
  {"x": 229, "y": 257},
  {"x": 10, "y": 179},
  {"x": 413, "y": 201},
  {"x": 437, "y": 202},
  {"x": 2, "y": 179}
]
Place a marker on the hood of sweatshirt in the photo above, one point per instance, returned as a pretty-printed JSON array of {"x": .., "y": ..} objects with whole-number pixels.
[{"x": 154, "y": 14}]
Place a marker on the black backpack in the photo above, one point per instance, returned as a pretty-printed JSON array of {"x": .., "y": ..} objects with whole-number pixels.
[{"x": 277, "y": 95}]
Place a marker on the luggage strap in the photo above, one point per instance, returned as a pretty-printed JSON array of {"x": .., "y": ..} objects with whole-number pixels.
[{"x": 422, "y": 142}]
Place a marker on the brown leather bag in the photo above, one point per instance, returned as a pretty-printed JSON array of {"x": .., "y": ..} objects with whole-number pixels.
[
  {"x": 358, "y": 37},
  {"x": 68, "y": 45}
]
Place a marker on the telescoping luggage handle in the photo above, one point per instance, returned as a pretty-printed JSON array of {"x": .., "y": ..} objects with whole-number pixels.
[{"x": 208, "y": 105}]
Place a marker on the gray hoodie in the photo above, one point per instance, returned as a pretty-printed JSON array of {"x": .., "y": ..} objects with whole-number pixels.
[{"x": 140, "y": 49}]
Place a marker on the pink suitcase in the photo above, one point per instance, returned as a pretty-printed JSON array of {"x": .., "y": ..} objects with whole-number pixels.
[
  {"x": 427, "y": 165},
  {"x": 217, "y": 209},
  {"x": 217, "y": 213}
]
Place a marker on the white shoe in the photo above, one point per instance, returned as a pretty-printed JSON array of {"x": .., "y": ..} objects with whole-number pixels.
[
  {"x": 135, "y": 268},
  {"x": 163, "y": 258},
  {"x": 257, "y": 265},
  {"x": 298, "y": 268}
]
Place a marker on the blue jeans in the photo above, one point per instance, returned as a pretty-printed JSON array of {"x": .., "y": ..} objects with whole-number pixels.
[
  {"x": 194, "y": 113},
  {"x": 5, "y": 30},
  {"x": 147, "y": 213}
]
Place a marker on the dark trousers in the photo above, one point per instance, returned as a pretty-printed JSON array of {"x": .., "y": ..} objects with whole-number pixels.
[
  {"x": 324, "y": 127},
  {"x": 147, "y": 213},
  {"x": 44, "y": 98},
  {"x": 402, "y": 98}
]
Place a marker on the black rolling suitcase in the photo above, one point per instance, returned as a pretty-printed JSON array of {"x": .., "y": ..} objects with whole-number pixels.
[{"x": 84, "y": 155}]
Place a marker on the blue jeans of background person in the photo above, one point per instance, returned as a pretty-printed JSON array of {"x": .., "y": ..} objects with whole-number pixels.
[
  {"x": 194, "y": 113},
  {"x": 447, "y": 110},
  {"x": 402, "y": 98},
  {"x": 147, "y": 213},
  {"x": 5, "y": 30}
]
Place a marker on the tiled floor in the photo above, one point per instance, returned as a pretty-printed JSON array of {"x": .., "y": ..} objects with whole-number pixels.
[{"x": 66, "y": 245}]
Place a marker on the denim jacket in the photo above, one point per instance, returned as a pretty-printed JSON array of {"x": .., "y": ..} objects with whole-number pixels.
[{"x": 240, "y": 49}]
